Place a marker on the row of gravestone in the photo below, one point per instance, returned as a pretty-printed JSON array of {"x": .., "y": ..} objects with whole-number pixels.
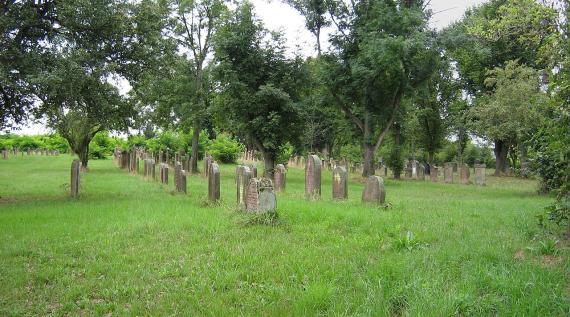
[
  {"x": 6, "y": 153},
  {"x": 417, "y": 171}
]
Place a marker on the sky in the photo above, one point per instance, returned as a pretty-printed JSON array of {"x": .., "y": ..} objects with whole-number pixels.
[{"x": 278, "y": 16}]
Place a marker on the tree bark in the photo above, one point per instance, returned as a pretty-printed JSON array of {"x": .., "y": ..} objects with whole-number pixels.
[
  {"x": 269, "y": 165},
  {"x": 397, "y": 144},
  {"x": 368, "y": 168},
  {"x": 83, "y": 154},
  {"x": 501, "y": 161},
  {"x": 194, "y": 154}
]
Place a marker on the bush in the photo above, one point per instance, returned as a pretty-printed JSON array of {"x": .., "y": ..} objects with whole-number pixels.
[
  {"x": 101, "y": 146},
  {"x": 225, "y": 149},
  {"x": 285, "y": 152},
  {"x": 166, "y": 141},
  {"x": 352, "y": 153}
]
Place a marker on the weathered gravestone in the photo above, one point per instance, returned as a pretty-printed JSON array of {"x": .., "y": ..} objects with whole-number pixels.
[
  {"x": 408, "y": 172},
  {"x": 340, "y": 183},
  {"x": 179, "y": 183},
  {"x": 207, "y": 163},
  {"x": 480, "y": 174},
  {"x": 134, "y": 162},
  {"x": 383, "y": 171},
  {"x": 464, "y": 174},
  {"x": 448, "y": 173},
  {"x": 164, "y": 173},
  {"x": 374, "y": 191},
  {"x": 5, "y": 154},
  {"x": 124, "y": 159},
  {"x": 75, "y": 173},
  {"x": 214, "y": 182},
  {"x": 243, "y": 175},
  {"x": 434, "y": 173},
  {"x": 420, "y": 171},
  {"x": 313, "y": 177},
  {"x": 280, "y": 177},
  {"x": 253, "y": 169},
  {"x": 260, "y": 196}
]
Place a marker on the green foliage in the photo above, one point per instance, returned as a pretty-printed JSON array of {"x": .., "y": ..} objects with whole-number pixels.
[
  {"x": 101, "y": 146},
  {"x": 285, "y": 153},
  {"x": 351, "y": 152},
  {"x": 166, "y": 141},
  {"x": 225, "y": 149},
  {"x": 136, "y": 141},
  {"x": 25, "y": 142}
]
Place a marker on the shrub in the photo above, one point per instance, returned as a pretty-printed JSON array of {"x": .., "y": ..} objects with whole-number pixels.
[
  {"x": 225, "y": 149},
  {"x": 101, "y": 146},
  {"x": 351, "y": 152},
  {"x": 285, "y": 152}
]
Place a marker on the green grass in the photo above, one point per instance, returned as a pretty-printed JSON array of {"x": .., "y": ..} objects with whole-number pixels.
[{"x": 132, "y": 247}]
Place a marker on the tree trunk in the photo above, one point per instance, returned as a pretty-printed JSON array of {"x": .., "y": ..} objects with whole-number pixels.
[
  {"x": 430, "y": 157},
  {"x": 194, "y": 155},
  {"x": 269, "y": 165},
  {"x": 501, "y": 161},
  {"x": 397, "y": 170},
  {"x": 83, "y": 154},
  {"x": 368, "y": 163}
]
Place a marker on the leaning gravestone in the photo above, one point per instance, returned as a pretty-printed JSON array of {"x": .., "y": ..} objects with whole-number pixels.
[
  {"x": 480, "y": 174},
  {"x": 374, "y": 191},
  {"x": 339, "y": 183},
  {"x": 243, "y": 175},
  {"x": 214, "y": 182},
  {"x": 448, "y": 173},
  {"x": 313, "y": 177},
  {"x": 464, "y": 174},
  {"x": 260, "y": 196},
  {"x": 280, "y": 177},
  {"x": 75, "y": 173}
]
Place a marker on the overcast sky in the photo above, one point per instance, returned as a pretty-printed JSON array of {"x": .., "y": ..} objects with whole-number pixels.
[{"x": 279, "y": 16}]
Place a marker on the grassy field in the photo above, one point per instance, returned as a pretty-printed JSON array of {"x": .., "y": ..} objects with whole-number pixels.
[{"x": 132, "y": 247}]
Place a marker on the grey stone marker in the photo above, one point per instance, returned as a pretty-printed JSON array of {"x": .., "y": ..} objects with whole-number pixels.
[
  {"x": 214, "y": 182},
  {"x": 280, "y": 178},
  {"x": 340, "y": 183},
  {"x": 164, "y": 173},
  {"x": 243, "y": 175},
  {"x": 124, "y": 159},
  {"x": 153, "y": 169},
  {"x": 464, "y": 174},
  {"x": 448, "y": 173},
  {"x": 253, "y": 169},
  {"x": 260, "y": 196},
  {"x": 207, "y": 164},
  {"x": 433, "y": 173},
  {"x": 177, "y": 172},
  {"x": 374, "y": 191},
  {"x": 480, "y": 174},
  {"x": 409, "y": 170},
  {"x": 420, "y": 171},
  {"x": 75, "y": 173},
  {"x": 313, "y": 177},
  {"x": 181, "y": 183}
]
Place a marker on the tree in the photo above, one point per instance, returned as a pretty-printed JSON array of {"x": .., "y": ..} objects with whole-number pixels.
[
  {"x": 192, "y": 24},
  {"x": 258, "y": 86},
  {"x": 512, "y": 112},
  {"x": 491, "y": 35},
  {"x": 24, "y": 25},
  {"x": 314, "y": 12},
  {"x": 383, "y": 50},
  {"x": 93, "y": 45}
]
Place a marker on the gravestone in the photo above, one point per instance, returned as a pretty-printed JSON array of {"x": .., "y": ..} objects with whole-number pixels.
[
  {"x": 340, "y": 183},
  {"x": 420, "y": 172},
  {"x": 124, "y": 159},
  {"x": 164, "y": 173},
  {"x": 177, "y": 177},
  {"x": 214, "y": 182},
  {"x": 75, "y": 173},
  {"x": 260, "y": 196},
  {"x": 434, "y": 173},
  {"x": 5, "y": 154},
  {"x": 253, "y": 169},
  {"x": 207, "y": 163},
  {"x": 152, "y": 168},
  {"x": 464, "y": 174},
  {"x": 408, "y": 172},
  {"x": 374, "y": 191},
  {"x": 181, "y": 181},
  {"x": 383, "y": 171},
  {"x": 448, "y": 173},
  {"x": 243, "y": 175},
  {"x": 313, "y": 177},
  {"x": 280, "y": 177},
  {"x": 480, "y": 174}
]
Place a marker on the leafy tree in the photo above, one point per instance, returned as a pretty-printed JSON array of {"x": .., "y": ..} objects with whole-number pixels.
[
  {"x": 512, "y": 112},
  {"x": 258, "y": 85},
  {"x": 382, "y": 50},
  {"x": 314, "y": 12}
]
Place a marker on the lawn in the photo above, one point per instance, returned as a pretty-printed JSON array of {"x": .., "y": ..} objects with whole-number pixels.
[{"x": 132, "y": 247}]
